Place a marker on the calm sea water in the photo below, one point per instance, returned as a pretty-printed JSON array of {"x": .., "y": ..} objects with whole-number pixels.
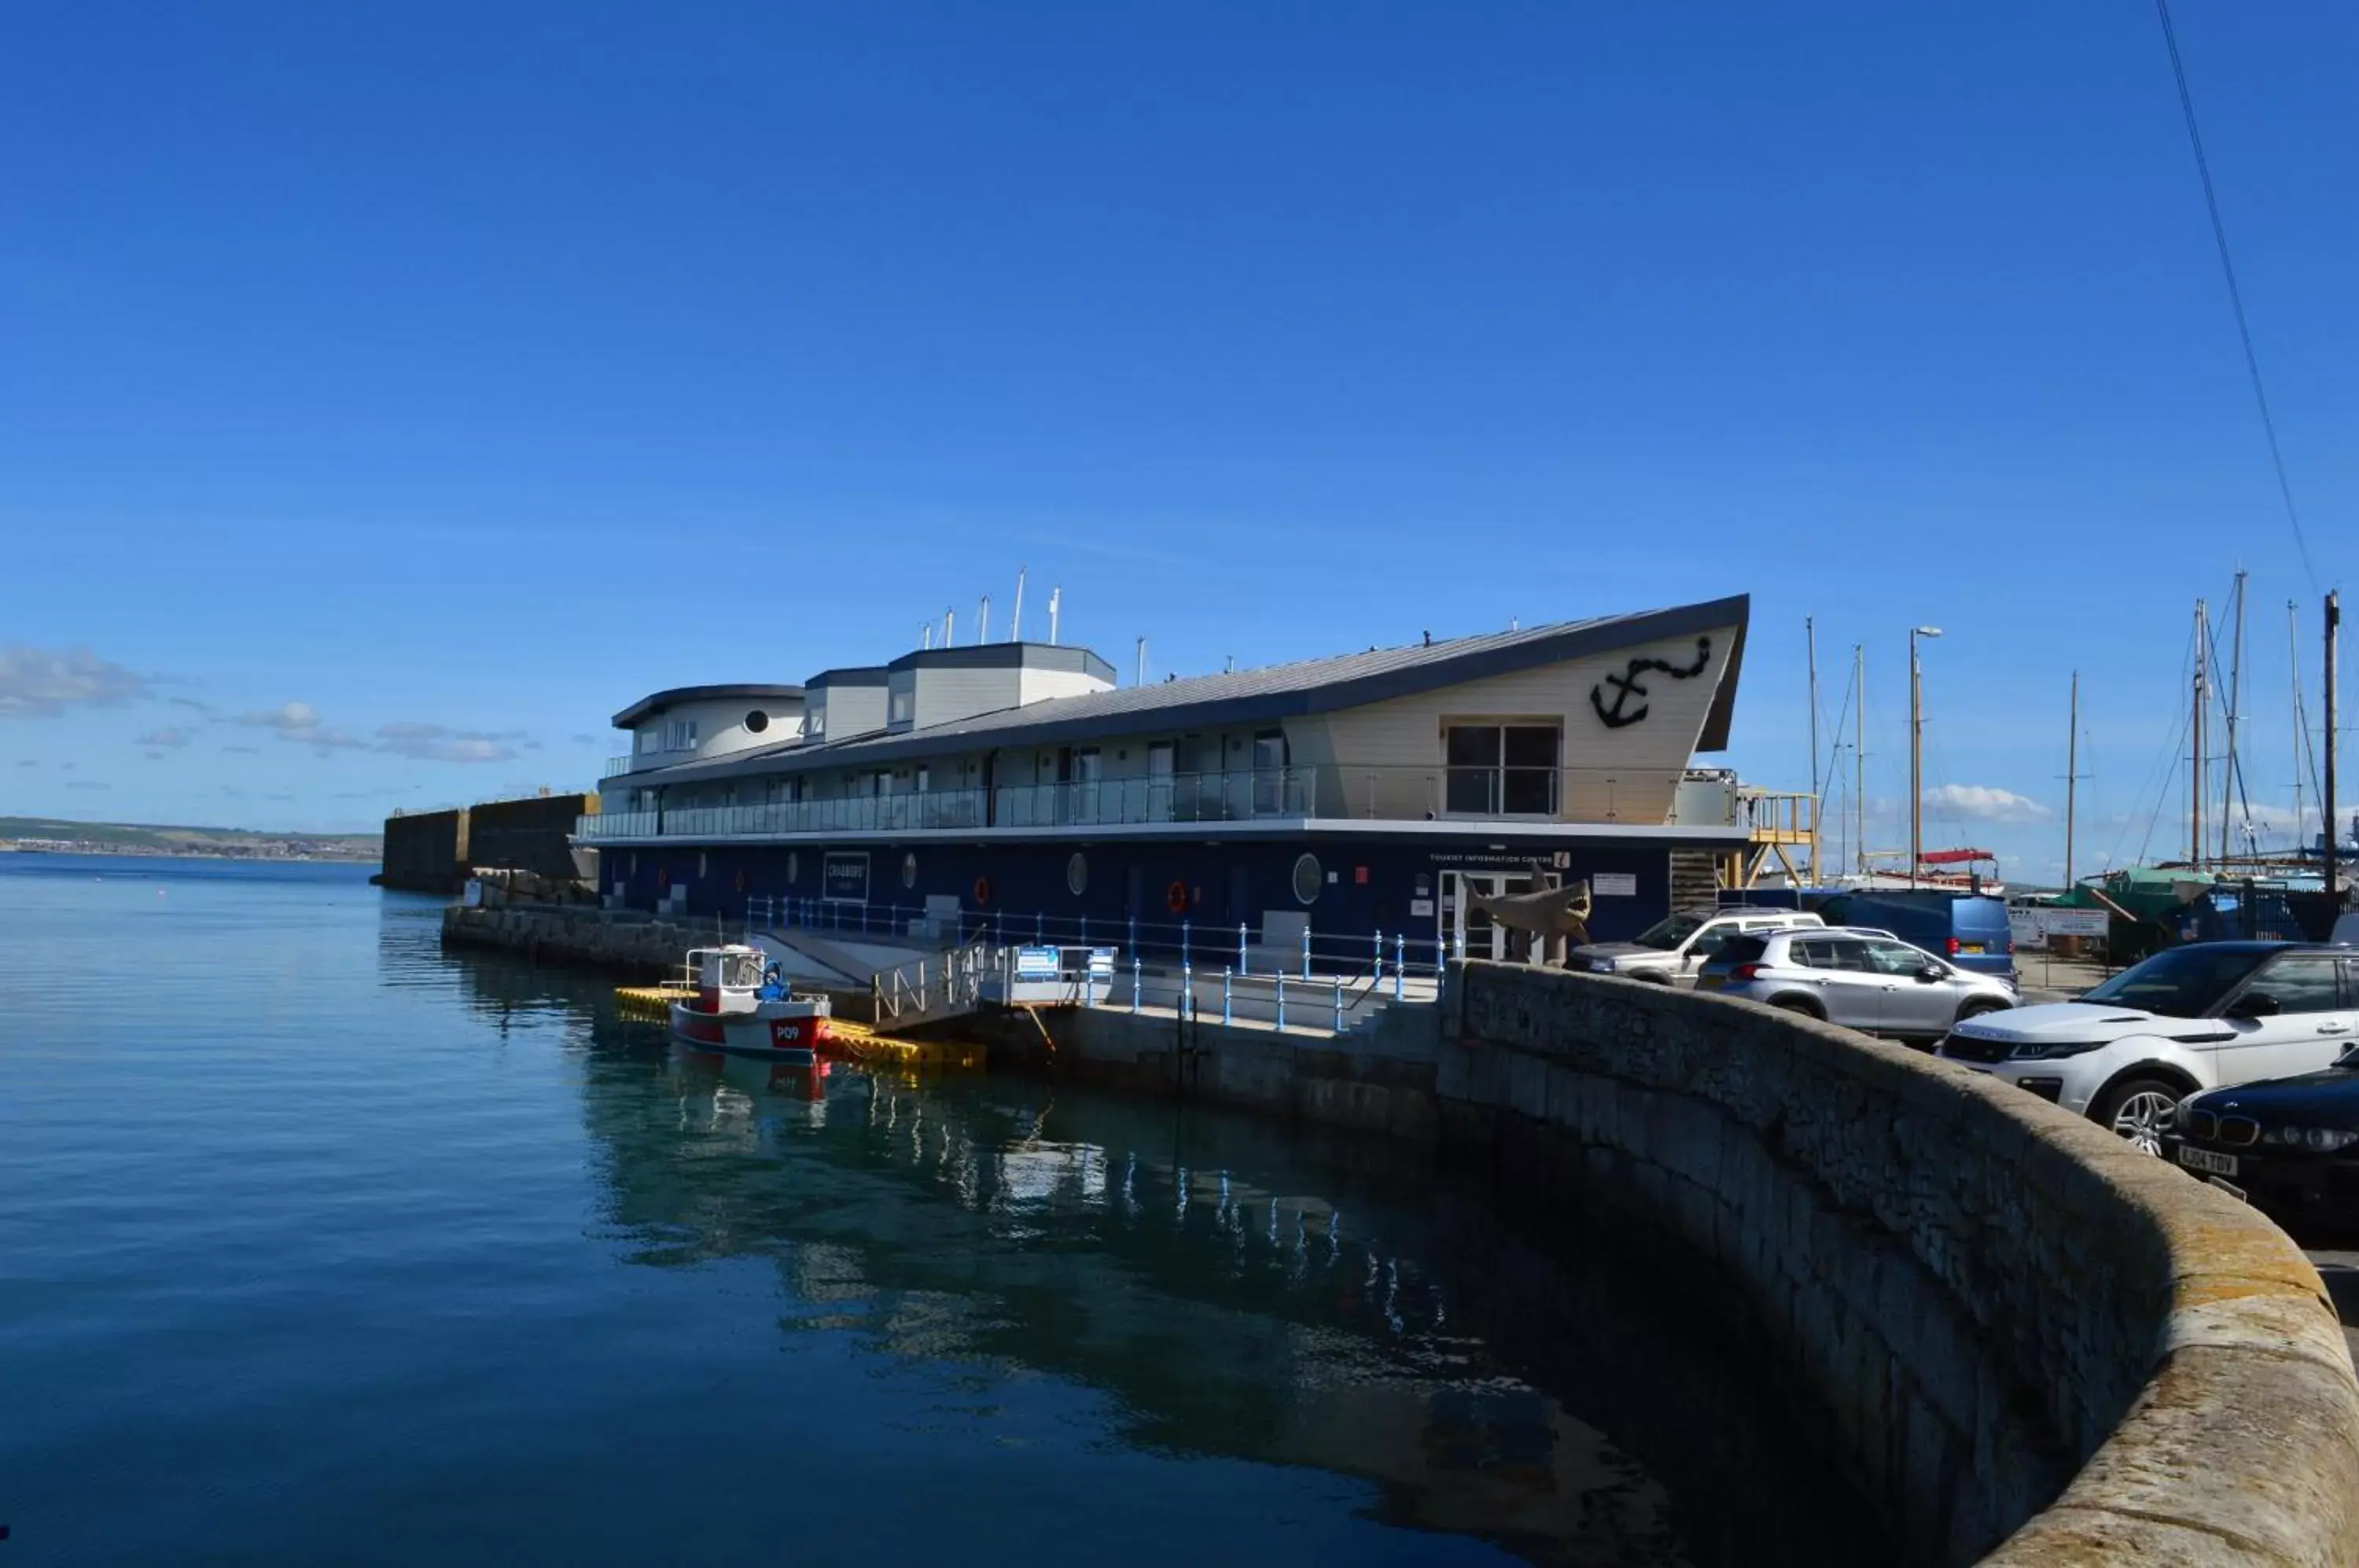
[{"x": 318, "y": 1245}]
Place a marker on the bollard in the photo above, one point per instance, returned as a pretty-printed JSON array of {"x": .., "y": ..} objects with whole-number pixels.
[
  {"x": 1380, "y": 957},
  {"x": 1183, "y": 944},
  {"x": 1339, "y": 1007},
  {"x": 1135, "y": 980},
  {"x": 1243, "y": 968},
  {"x": 1039, "y": 927},
  {"x": 1400, "y": 967},
  {"x": 1187, "y": 990},
  {"x": 1306, "y": 950},
  {"x": 1134, "y": 933},
  {"x": 1281, "y": 999},
  {"x": 1226, "y": 976}
]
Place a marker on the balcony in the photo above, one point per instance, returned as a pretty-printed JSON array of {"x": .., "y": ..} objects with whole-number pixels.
[{"x": 1307, "y": 793}]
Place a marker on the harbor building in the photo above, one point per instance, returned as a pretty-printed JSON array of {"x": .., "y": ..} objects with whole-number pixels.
[{"x": 1375, "y": 791}]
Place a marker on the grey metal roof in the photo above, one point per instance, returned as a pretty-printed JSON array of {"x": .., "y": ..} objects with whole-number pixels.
[
  {"x": 1067, "y": 657},
  {"x": 1273, "y": 692},
  {"x": 678, "y": 694},
  {"x": 852, "y": 675}
]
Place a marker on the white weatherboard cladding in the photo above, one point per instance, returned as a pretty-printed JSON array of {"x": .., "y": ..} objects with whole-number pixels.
[
  {"x": 1618, "y": 775},
  {"x": 850, "y": 710},
  {"x": 1038, "y": 684},
  {"x": 945, "y": 695},
  {"x": 721, "y": 725}
]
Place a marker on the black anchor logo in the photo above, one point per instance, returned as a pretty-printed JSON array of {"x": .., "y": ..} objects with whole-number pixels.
[{"x": 1618, "y": 715}]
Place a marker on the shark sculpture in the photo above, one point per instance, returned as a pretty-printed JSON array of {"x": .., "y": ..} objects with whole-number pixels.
[{"x": 1552, "y": 920}]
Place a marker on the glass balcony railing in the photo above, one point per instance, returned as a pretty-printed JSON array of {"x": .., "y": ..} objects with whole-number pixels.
[{"x": 1320, "y": 793}]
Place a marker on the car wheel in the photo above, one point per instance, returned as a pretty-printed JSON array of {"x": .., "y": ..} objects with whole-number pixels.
[
  {"x": 2139, "y": 1111},
  {"x": 1801, "y": 1004},
  {"x": 1976, "y": 1010},
  {"x": 1652, "y": 976}
]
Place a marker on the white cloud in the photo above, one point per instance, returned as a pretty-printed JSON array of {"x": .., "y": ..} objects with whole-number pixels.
[
  {"x": 440, "y": 743},
  {"x": 37, "y": 684},
  {"x": 167, "y": 737},
  {"x": 87, "y": 784},
  {"x": 299, "y": 722},
  {"x": 1985, "y": 803}
]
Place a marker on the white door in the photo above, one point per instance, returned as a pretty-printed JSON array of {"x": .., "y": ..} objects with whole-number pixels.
[
  {"x": 1466, "y": 930},
  {"x": 2308, "y": 1031}
]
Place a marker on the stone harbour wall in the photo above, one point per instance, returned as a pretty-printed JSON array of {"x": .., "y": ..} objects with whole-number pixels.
[
  {"x": 2024, "y": 1342},
  {"x": 630, "y": 946}
]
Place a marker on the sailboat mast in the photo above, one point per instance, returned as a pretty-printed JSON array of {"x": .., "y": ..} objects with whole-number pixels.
[
  {"x": 2236, "y": 703},
  {"x": 1859, "y": 755},
  {"x": 2195, "y": 784},
  {"x": 2071, "y": 777},
  {"x": 1810, "y": 640},
  {"x": 2334, "y": 636},
  {"x": 2293, "y": 666}
]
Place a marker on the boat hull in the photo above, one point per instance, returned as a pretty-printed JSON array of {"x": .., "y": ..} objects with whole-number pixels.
[{"x": 790, "y": 1039}]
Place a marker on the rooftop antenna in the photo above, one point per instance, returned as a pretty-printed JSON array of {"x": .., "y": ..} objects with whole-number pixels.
[
  {"x": 1016, "y": 626},
  {"x": 1056, "y": 597},
  {"x": 950, "y": 628},
  {"x": 982, "y": 621},
  {"x": 1229, "y": 664},
  {"x": 926, "y": 634},
  {"x": 1142, "y": 662}
]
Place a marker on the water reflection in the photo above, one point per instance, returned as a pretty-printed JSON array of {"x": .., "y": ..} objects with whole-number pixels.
[{"x": 1234, "y": 1291}]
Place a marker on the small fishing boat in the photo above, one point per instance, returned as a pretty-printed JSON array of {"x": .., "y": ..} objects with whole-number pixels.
[{"x": 743, "y": 1006}]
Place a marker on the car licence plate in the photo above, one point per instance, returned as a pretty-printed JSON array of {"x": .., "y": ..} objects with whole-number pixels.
[
  {"x": 2204, "y": 1160},
  {"x": 1973, "y": 947}
]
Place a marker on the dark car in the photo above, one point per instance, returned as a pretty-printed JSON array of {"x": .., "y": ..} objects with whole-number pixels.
[
  {"x": 1969, "y": 930},
  {"x": 2289, "y": 1143}
]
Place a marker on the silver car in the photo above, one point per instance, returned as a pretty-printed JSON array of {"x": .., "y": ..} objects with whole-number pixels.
[{"x": 1863, "y": 979}]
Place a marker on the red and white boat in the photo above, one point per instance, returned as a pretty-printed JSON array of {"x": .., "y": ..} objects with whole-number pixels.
[{"x": 743, "y": 1007}]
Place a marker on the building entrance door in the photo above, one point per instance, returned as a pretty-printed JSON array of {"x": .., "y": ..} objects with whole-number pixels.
[{"x": 1469, "y": 933}]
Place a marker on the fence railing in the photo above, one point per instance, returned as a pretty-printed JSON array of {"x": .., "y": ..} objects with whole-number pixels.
[{"x": 1333, "y": 791}]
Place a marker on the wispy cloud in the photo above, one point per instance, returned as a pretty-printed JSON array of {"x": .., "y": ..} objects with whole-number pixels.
[
  {"x": 169, "y": 735},
  {"x": 585, "y": 740},
  {"x": 441, "y": 743},
  {"x": 35, "y": 683},
  {"x": 299, "y": 722},
  {"x": 1985, "y": 803},
  {"x": 28, "y": 762},
  {"x": 249, "y": 750},
  {"x": 87, "y": 784},
  {"x": 205, "y": 708}
]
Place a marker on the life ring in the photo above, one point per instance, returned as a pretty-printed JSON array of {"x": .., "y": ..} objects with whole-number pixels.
[
  {"x": 1175, "y": 898},
  {"x": 741, "y": 880},
  {"x": 663, "y": 878},
  {"x": 982, "y": 891}
]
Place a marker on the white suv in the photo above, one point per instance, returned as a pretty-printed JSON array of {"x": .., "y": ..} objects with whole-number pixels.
[
  {"x": 2207, "y": 1016},
  {"x": 1669, "y": 953}
]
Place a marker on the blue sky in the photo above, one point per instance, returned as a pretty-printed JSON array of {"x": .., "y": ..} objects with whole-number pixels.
[{"x": 457, "y": 374}]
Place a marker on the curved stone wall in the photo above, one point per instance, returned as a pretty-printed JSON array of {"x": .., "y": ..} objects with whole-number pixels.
[{"x": 2025, "y": 1341}]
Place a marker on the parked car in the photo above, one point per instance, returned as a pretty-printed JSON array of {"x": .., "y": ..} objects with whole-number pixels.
[
  {"x": 1670, "y": 951},
  {"x": 1969, "y": 929},
  {"x": 1863, "y": 979},
  {"x": 2287, "y": 1144},
  {"x": 2207, "y": 1016}
]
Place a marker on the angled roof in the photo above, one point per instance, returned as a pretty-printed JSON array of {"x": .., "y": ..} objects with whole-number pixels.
[
  {"x": 1274, "y": 692},
  {"x": 678, "y": 694}
]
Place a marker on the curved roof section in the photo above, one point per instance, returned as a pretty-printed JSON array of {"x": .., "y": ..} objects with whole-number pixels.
[
  {"x": 1284, "y": 690},
  {"x": 678, "y": 694}
]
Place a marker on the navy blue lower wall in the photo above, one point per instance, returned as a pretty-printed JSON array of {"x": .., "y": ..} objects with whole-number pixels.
[{"x": 1366, "y": 883}]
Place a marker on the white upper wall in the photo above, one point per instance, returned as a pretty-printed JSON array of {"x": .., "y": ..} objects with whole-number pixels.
[{"x": 716, "y": 727}]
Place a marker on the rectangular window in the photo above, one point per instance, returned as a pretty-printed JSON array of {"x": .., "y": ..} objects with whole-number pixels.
[
  {"x": 925, "y": 779},
  {"x": 1088, "y": 766},
  {"x": 1268, "y": 772},
  {"x": 1501, "y": 769},
  {"x": 904, "y": 704}
]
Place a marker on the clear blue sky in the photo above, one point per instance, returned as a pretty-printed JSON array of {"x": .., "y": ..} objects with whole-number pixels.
[{"x": 460, "y": 373}]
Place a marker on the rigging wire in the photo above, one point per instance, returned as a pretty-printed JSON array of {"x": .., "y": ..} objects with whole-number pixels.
[
  {"x": 2235, "y": 293},
  {"x": 2166, "y": 761}
]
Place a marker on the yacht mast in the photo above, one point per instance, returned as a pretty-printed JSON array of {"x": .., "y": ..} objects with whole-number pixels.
[
  {"x": 2195, "y": 785},
  {"x": 1859, "y": 755},
  {"x": 2229, "y": 780},
  {"x": 2293, "y": 664},
  {"x": 2071, "y": 777}
]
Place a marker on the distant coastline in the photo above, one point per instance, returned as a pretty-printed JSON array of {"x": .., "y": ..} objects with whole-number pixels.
[{"x": 49, "y": 836}]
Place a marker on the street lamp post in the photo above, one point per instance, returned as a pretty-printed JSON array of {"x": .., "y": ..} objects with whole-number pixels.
[{"x": 1916, "y": 750}]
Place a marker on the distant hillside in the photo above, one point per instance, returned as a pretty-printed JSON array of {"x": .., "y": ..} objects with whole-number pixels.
[{"x": 141, "y": 838}]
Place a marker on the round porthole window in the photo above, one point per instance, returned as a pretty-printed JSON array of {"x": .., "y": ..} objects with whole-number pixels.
[
  {"x": 1307, "y": 878},
  {"x": 794, "y": 866},
  {"x": 909, "y": 870},
  {"x": 1077, "y": 874},
  {"x": 757, "y": 722}
]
